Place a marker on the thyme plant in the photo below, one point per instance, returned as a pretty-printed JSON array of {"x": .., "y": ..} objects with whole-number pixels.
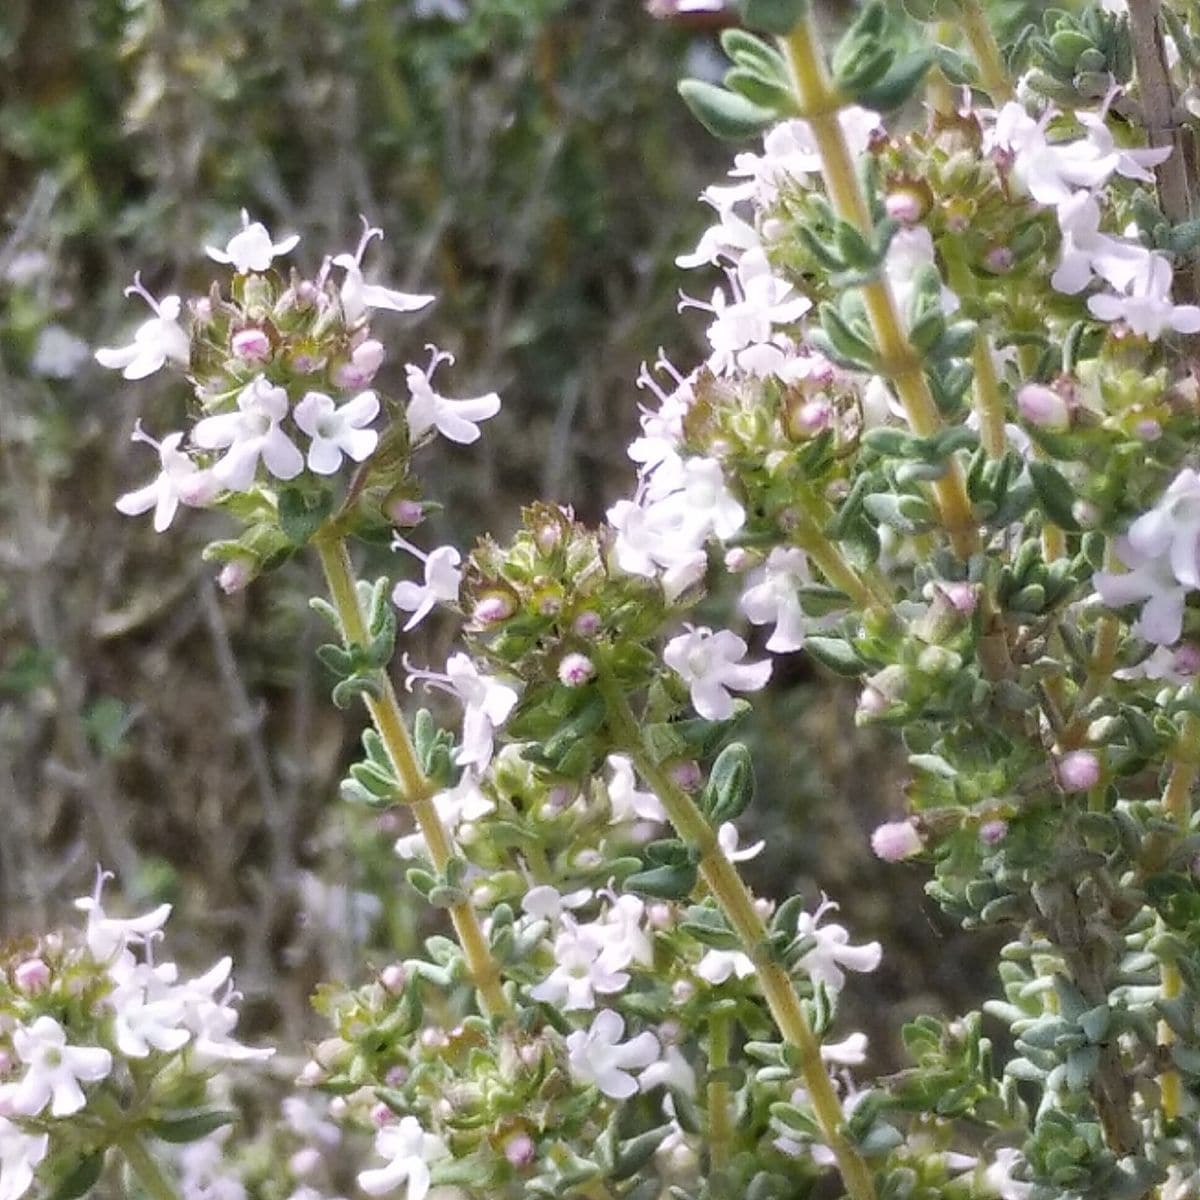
[{"x": 944, "y": 436}]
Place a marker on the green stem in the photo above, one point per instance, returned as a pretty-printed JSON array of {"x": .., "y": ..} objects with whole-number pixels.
[
  {"x": 720, "y": 1127},
  {"x": 986, "y": 51},
  {"x": 988, "y": 401},
  {"x": 418, "y": 790},
  {"x": 820, "y": 105},
  {"x": 149, "y": 1173},
  {"x": 737, "y": 903}
]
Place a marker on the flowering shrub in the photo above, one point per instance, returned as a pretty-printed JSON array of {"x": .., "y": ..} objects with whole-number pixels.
[{"x": 943, "y": 434}]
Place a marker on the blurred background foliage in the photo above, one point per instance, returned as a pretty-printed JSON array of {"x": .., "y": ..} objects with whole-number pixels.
[{"x": 531, "y": 164}]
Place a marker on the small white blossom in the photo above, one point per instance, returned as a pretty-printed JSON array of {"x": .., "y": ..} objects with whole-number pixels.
[
  {"x": 774, "y": 598},
  {"x": 443, "y": 577},
  {"x": 108, "y": 937},
  {"x": 337, "y": 429},
  {"x": 599, "y": 1056},
  {"x": 251, "y": 433},
  {"x": 718, "y": 965},
  {"x": 358, "y": 295},
  {"x": 54, "y": 1069},
  {"x": 155, "y": 342},
  {"x": 463, "y": 803},
  {"x": 824, "y": 962},
  {"x": 20, "y": 1152},
  {"x": 456, "y": 420},
  {"x": 581, "y": 970},
  {"x": 998, "y": 1177},
  {"x": 727, "y": 839},
  {"x": 409, "y": 1150},
  {"x": 252, "y": 249},
  {"x": 671, "y": 1071},
  {"x": 711, "y": 665},
  {"x": 624, "y": 798},
  {"x": 486, "y": 703},
  {"x": 1145, "y": 305},
  {"x": 179, "y": 481},
  {"x": 1162, "y": 552}
]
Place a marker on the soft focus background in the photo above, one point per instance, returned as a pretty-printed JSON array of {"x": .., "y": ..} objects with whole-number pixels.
[{"x": 531, "y": 164}]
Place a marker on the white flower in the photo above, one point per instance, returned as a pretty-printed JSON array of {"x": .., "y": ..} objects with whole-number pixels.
[
  {"x": 625, "y": 940},
  {"x": 850, "y": 1052},
  {"x": 909, "y": 250},
  {"x": 671, "y": 1071},
  {"x": 358, "y": 295},
  {"x": 155, "y": 342},
  {"x": 548, "y": 903},
  {"x": 727, "y": 839},
  {"x": 824, "y": 962},
  {"x": 442, "y": 579},
  {"x": 20, "y": 1152},
  {"x": 1086, "y": 252},
  {"x": 54, "y": 1069},
  {"x": 1146, "y": 306},
  {"x": 211, "y": 1018},
  {"x": 58, "y": 353},
  {"x": 1176, "y": 664},
  {"x": 728, "y": 239},
  {"x": 108, "y": 937},
  {"x": 486, "y": 703},
  {"x": 337, "y": 430},
  {"x": 456, "y": 420},
  {"x": 251, "y": 249},
  {"x": 1132, "y": 162},
  {"x": 657, "y": 538},
  {"x": 1049, "y": 172},
  {"x": 1162, "y": 552},
  {"x": 581, "y": 969},
  {"x": 251, "y": 433},
  {"x": 774, "y": 598},
  {"x": 179, "y": 481},
  {"x": 409, "y": 1151},
  {"x": 711, "y": 665},
  {"x": 464, "y": 802},
  {"x": 999, "y": 1176},
  {"x": 718, "y": 965},
  {"x": 625, "y": 800},
  {"x": 598, "y": 1056}
]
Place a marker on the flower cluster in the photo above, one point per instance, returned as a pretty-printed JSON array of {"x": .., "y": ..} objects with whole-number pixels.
[{"x": 102, "y": 1038}]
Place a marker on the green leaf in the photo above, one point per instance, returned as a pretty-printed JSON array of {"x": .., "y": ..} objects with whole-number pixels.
[
  {"x": 302, "y": 513},
  {"x": 730, "y": 787},
  {"x": 774, "y": 16},
  {"x": 724, "y": 114},
  {"x": 1054, "y": 493},
  {"x": 839, "y": 656},
  {"x": 192, "y": 1125},
  {"x": 81, "y": 1178},
  {"x": 663, "y": 883}
]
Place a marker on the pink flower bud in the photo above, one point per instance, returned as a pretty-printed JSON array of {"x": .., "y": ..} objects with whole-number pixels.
[
  {"x": 306, "y": 293},
  {"x": 1043, "y": 407},
  {"x": 1187, "y": 658},
  {"x": 904, "y": 206},
  {"x": 339, "y": 1106},
  {"x": 393, "y": 977},
  {"x": 202, "y": 309},
  {"x": 998, "y": 260},
  {"x": 304, "y": 1162},
  {"x": 992, "y": 832},
  {"x": 312, "y": 1074},
  {"x": 962, "y": 596},
  {"x": 520, "y": 1150},
  {"x": 764, "y": 907},
  {"x": 365, "y": 361},
  {"x": 670, "y": 1031},
  {"x": 812, "y": 417},
  {"x": 682, "y": 990},
  {"x": 306, "y": 364},
  {"x": 492, "y": 608},
  {"x": 687, "y": 775},
  {"x": 575, "y": 670},
  {"x": 1148, "y": 429},
  {"x": 547, "y": 538},
  {"x": 871, "y": 702},
  {"x": 396, "y": 1077},
  {"x": 1078, "y": 771},
  {"x": 530, "y": 1054},
  {"x": 406, "y": 514},
  {"x": 587, "y": 624},
  {"x": 251, "y": 345},
  {"x": 236, "y": 575},
  {"x": 382, "y": 1115},
  {"x": 894, "y": 841},
  {"x": 659, "y": 915},
  {"x": 738, "y": 559},
  {"x": 32, "y": 975},
  {"x": 433, "y": 1039}
]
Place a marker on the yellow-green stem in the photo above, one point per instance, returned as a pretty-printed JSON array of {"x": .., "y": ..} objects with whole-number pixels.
[
  {"x": 418, "y": 791},
  {"x": 837, "y": 570},
  {"x": 720, "y": 1127},
  {"x": 1177, "y": 805},
  {"x": 142, "y": 1164},
  {"x": 737, "y": 903},
  {"x": 820, "y": 105},
  {"x": 1100, "y": 669},
  {"x": 983, "y": 44},
  {"x": 988, "y": 401}
]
